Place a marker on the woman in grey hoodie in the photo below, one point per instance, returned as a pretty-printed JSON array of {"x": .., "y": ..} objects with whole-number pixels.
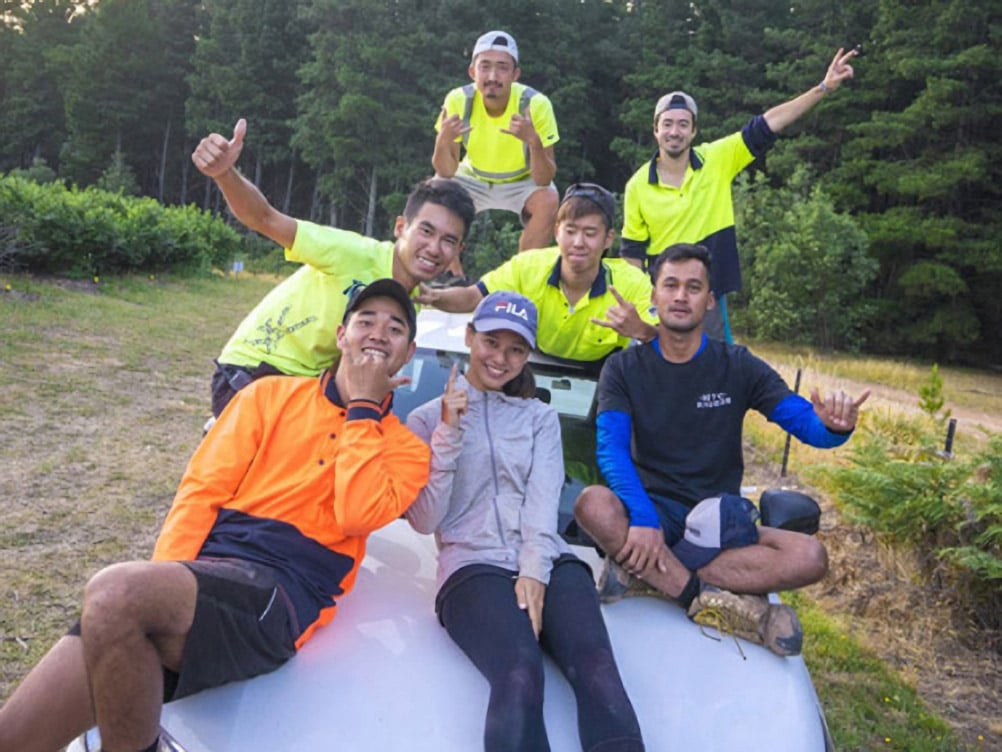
[{"x": 509, "y": 587}]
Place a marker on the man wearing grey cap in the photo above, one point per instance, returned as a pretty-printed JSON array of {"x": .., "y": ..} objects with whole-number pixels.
[
  {"x": 683, "y": 194},
  {"x": 508, "y": 131}
]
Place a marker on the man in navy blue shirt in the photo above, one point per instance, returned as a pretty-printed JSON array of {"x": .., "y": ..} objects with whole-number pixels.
[{"x": 670, "y": 416}]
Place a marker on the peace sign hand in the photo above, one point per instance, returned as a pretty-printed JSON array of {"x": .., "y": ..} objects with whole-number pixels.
[
  {"x": 455, "y": 400},
  {"x": 839, "y": 70}
]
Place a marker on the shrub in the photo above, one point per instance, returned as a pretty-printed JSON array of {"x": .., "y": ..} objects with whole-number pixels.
[
  {"x": 805, "y": 264},
  {"x": 55, "y": 230},
  {"x": 948, "y": 510}
]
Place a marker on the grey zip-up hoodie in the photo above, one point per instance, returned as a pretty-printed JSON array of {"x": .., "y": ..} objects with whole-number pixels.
[{"x": 495, "y": 484}]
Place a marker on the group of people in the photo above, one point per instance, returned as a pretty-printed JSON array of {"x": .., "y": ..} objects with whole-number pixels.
[{"x": 269, "y": 524}]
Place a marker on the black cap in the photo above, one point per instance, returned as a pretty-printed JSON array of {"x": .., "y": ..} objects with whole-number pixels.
[
  {"x": 384, "y": 288},
  {"x": 598, "y": 196}
]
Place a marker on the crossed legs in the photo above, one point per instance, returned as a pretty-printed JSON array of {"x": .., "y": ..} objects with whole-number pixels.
[{"x": 781, "y": 560}]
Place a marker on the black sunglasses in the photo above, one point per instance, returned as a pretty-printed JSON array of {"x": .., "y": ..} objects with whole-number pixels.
[{"x": 597, "y": 195}]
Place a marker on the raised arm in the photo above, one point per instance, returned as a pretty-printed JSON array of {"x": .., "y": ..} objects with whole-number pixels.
[
  {"x": 445, "y": 158},
  {"x": 542, "y": 162},
  {"x": 780, "y": 116},
  {"x": 216, "y": 157},
  {"x": 441, "y": 429}
]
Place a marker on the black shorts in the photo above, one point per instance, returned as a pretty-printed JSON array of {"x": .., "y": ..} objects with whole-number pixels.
[
  {"x": 227, "y": 380},
  {"x": 244, "y": 626}
]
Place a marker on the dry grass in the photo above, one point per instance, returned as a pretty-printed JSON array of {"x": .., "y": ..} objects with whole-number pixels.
[
  {"x": 974, "y": 397},
  {"x": 103, "y": 400}
]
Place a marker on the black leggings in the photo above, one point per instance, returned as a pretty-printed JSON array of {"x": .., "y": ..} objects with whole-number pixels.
[{"x": 482, "y": 616}]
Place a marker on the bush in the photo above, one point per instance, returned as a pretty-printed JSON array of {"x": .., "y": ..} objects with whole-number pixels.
[
  {"x": 806, "y": 266},
  {"x": 948, "y": 510},
  {"x": 39, "y": 172},
  {"x": 83, "y": 233},
  {"x": 492, "y": 240}
]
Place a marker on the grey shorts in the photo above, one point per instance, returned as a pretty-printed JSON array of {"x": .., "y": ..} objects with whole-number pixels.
[{"x": 505, "y": 196}]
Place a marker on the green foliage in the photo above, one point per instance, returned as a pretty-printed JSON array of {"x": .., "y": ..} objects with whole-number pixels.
[
  {"x": 341, "y": 95},
  {"x": 806, "y": 264},
  {"x": 39, "y": 172},
  {"x": 931, "y": 399},
  {"x": 980, "y": 532},
  {"x": 92, "y": 232},
  {"x": 118, "y": 177},
  {"x": 492, "y": 240},
  {"x": 948, "y": 511}
]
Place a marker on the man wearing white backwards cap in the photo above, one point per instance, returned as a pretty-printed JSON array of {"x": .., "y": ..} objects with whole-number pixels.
[{"x": 508, "y": 131}]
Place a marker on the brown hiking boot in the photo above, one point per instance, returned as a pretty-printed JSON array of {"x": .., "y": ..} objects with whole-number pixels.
[{"x": 751, "y": 617}]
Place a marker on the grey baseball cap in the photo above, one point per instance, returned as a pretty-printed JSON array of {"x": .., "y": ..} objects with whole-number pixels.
[{"x": 675, "y": 100}]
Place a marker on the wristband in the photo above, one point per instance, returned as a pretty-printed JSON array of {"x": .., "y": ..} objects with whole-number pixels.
[
  {"x": 824, "y": 88},
  {"x": 365, "y": 400}
]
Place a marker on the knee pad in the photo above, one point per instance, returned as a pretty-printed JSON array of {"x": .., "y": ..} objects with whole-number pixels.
[{"x": 789, "y": 510}]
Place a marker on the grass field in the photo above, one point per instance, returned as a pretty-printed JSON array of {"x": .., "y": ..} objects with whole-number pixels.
[{"x": 104, "y": 393}]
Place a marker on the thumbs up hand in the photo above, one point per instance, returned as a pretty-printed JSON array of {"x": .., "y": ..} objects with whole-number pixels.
[{"x": 216, "y": 154}]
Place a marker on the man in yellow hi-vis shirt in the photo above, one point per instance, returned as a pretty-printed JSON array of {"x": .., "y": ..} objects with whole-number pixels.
[
  {"x": 589, "y": 306},
  {"x": 683, "y": 193},
  {"x": 508, "y": 131}
]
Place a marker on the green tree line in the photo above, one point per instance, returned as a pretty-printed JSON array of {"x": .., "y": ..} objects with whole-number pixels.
[{"x": 889, "y": 191}]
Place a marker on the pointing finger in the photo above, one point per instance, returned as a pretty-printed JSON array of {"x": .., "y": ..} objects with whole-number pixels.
[{"x": 862, "y": 398}]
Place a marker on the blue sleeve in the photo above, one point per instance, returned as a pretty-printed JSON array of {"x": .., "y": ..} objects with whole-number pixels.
[
  {"x": 796, "y": 415},
  {"x": 634, "y": 249},
  {"x": 758, "y": 136},
  {"x": 616, "y": 465}
]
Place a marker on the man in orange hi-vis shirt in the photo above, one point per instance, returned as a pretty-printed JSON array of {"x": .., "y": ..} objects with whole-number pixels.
[{"x": 265, "y": 535}]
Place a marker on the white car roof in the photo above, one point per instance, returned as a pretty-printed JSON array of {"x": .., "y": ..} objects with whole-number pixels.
[{"x": 384, "y": 675}]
